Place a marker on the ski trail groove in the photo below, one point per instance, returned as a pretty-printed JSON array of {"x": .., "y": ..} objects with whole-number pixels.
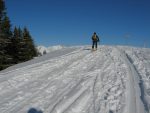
[
  {"x": 95, "y": 80},
  {"x": 104, "y": 81},
  {"x": 40, "y": 63},
  {"x": 47, "y": 73},
  {"x": 66, "y": 103},
  {"x": 141, "y": 85},
  {"x": 38, "y": 92},
  {"x": 80, "y": 59},
  {"x": 134, "y": 105}
]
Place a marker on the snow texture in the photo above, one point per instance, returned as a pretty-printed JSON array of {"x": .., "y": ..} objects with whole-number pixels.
[
  {"x": 113, "y": 79},
  {"x": 44, "y": 50}
]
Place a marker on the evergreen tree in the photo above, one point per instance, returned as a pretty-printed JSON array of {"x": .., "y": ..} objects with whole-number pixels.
[
  {"x": 2, "y": 12},
  {"x": 19, "y": 46},
  {"x": 5, "y": 38},
  {"x": 2, "y": 15},
  {"x": 2, "y": 9},
  {"x": 15, "y": 45},
  {"x": 29, "y": 47},
  {"x": 23, "y": 45}
]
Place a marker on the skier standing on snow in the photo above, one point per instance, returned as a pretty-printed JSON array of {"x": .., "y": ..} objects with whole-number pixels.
[{"x": 95, "y": 39}]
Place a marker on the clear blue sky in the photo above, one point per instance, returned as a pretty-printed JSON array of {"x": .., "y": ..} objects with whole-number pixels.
[{"x": 72, "y": 22}]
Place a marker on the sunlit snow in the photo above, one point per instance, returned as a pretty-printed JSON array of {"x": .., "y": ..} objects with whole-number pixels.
[{"x": 113, "y": 79}]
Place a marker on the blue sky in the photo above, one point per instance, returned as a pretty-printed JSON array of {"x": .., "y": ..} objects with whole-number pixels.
[{"x": 72, "y": 22}]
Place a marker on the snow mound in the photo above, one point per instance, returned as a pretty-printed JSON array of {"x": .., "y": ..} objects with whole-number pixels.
[
  {"x": 44, "y": 50},
  {"x": 113, "y": 79},
  {"x": 54, "y": 48}
]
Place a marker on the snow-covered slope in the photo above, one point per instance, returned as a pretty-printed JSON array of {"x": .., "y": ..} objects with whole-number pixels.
[
  {"x": 54, "y": 48},
  {"x": 113, "y": 79},
  {"x": 44, "y": 50}
]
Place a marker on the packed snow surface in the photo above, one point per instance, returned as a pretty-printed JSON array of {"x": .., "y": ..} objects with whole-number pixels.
[{"x": 113, "y": 79}]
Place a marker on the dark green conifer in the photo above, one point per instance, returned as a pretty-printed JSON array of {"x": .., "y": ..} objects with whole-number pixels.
[
  {"x": 5, "y": 38},
  {"x": 15, "y": 47},
  {"x": 30, "y": 50}
]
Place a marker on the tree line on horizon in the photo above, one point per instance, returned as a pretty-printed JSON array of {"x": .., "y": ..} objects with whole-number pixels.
[{"x": 16, "y": 45}]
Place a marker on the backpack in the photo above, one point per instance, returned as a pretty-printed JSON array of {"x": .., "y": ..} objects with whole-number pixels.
[{"x": 94, "y": 37}]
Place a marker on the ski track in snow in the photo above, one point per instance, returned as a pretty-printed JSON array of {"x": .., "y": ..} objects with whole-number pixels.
[{"x": 109, "y": 80}]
